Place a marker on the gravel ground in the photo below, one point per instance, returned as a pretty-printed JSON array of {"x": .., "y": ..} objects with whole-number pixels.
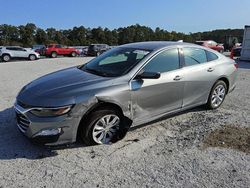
[{"x": 197, "y": 148}]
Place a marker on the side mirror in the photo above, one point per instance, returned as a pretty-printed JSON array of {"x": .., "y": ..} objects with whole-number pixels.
[{"x": 148, "y": 75}]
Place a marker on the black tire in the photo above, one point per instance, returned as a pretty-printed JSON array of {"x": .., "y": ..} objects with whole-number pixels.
[
  {"x": 73, "y": 54},
  {"x": 210, "y": 104},
  {"x": 53, "y": 55},
  {"x": 6, "y": 57},
  {"x": 32, "y": 57},
  {"x": 87, "y": 125}
]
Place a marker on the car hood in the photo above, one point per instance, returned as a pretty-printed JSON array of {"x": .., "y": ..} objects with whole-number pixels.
[{"x": 61, "y": 88}]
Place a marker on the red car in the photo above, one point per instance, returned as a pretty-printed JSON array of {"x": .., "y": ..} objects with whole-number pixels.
[
  {"x": 211, "y": 44},
  {"x": 53, "y": 50}
]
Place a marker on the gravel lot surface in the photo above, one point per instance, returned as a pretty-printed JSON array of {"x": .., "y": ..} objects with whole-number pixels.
[{"x": 197, "y": 148}]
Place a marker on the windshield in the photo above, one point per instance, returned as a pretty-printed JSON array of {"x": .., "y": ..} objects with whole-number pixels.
[
  {"x": 199, "y": 43},
  {"x": 115, "y": 62}
]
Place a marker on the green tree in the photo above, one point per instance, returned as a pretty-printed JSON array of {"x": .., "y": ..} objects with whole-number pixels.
[
  {"x": 41, "y": 36},
  {"x": 27, "y": 34}
]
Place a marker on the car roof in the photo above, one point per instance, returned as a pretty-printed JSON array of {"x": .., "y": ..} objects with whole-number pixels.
[
  {"x": 155, "y": 45},
  {"x": 13, "y": 47},
  {"x": 98, "y": 44}
]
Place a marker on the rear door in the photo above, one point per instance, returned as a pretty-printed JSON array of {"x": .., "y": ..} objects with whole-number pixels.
[{"x": 199, "y": 75}]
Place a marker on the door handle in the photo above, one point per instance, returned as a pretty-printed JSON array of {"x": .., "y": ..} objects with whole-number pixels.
[
  {"x": 177, "y": 78},
  {"x": 210, "y": 69}
]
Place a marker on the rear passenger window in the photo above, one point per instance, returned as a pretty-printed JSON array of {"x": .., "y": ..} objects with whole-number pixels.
[
  {"x": 164, "y": 62},
  {"x": 211, "y": 56},
  {"x": 194, "y": 56}
]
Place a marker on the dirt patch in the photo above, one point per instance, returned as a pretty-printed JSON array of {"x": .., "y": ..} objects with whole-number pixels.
[{"x": 229, "y": 137}]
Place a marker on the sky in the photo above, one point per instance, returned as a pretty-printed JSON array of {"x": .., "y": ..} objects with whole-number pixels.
[{"x": 173, "y": 15}]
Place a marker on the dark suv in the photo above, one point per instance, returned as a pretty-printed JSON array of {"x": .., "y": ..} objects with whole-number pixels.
[{"x": 97, "y": 49}]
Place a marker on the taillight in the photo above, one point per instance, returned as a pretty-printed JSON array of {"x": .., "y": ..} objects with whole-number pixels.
[{"x": 236, "y": 65}]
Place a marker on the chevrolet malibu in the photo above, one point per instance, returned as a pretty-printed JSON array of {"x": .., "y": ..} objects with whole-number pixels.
[{"x": 127, "y": 86}]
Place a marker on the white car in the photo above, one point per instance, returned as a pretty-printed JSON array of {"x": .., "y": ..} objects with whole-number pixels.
[{"x": 12, "y": 52}]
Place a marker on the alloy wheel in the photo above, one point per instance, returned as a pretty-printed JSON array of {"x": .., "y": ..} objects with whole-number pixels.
[
  {"x": 105, "y": 128},
  {"x": 218, "y": 95},
  {"x": 6, "y": 58}
]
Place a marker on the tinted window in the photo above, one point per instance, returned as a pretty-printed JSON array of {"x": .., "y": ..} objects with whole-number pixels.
[
  {"x": 199, "y": 42},
  {"x": 193, "y": 56},
  {"x": 58, "y": 46},
  {"x": 163, "y": 62},
  {"x": 211, "y": 56},
  {"x": 20, "y": 49},
  {"x": 10, "y": 48}
]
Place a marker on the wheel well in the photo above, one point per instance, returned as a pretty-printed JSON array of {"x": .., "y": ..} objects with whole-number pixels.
[
  {"x": 6, "y": 54},
  {"x": 103, "y": 105},
  {"x": 226, "y": 81}
]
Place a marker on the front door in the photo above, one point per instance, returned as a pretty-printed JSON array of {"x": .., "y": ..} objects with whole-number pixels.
[{"x": 152, "y": 97}]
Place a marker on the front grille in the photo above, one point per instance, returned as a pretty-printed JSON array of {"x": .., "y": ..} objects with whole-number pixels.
[{"x": 22, "y": 121}]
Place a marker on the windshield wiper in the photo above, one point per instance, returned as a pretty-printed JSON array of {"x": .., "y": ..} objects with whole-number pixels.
[{"x": 94, "y": 71}]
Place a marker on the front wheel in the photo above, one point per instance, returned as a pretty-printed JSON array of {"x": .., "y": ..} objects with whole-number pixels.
[
  {"x": 6, "y": 57},
  {"x": 217, "y": 95},
  {"x": 32, "y": 57},
  {"x": 101, "y": 127},
  {"x": 53, "y": 54}
]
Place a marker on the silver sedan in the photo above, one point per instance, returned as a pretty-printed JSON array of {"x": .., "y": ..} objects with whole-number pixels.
[{"x": 126, "y": 86}]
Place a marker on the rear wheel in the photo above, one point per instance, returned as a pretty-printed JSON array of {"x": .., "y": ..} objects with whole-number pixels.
[
  {"x": 32, "y": 57},
  {"x": 53, "y": 54},
  {"x": 217, "y": 95},
  {"x": 101, "y": 127},
  {"x": 221, "y": 51},
  {"x": 73, "y": 54},
  {"x": 6, "y": 57}
]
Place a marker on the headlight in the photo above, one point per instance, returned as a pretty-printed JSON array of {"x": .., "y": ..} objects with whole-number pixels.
[{"x": 50, "y": 112}]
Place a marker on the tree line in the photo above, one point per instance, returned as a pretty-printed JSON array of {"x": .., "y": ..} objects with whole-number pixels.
[{"x": 29, "y": 34}]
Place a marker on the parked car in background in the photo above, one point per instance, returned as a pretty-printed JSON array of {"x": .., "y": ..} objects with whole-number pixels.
[
  {"x": 97, "y": 49},
  {"x": 53, "y": 50},
  {"x": 129, "y": 85},
  {"x": 39, "y": 48},
  {"x": 211, "y": 44},
  {"x": 236, "y": 52},
  {"x": 15, "y": 52},
  {"x": 83, "y": 50}
]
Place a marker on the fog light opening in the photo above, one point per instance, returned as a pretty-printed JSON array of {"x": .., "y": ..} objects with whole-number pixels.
[{"x": 49, "y": 132}]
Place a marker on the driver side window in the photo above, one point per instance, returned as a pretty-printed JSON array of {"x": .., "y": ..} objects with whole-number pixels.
[{"x": 165, "y": 61}]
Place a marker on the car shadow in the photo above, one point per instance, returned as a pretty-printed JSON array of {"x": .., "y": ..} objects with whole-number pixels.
[
  {"x": 14, "y": 145},
  {"x": 195, "y": 109}
]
